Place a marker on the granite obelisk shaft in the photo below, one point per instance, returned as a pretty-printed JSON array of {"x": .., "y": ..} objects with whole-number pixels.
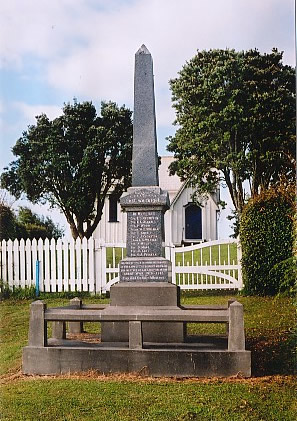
[
  {"x": 145, "y": 275},
  {"x": 145, "y": 156}
]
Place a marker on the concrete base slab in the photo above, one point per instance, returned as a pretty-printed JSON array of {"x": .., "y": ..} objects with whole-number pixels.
[
  {"x": 200, "y": 356},
  {"x": 144, "y": 294},
  {"x": 151, "y": 361}
]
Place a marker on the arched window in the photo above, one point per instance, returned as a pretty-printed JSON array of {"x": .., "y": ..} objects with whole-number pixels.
[{"x": 193, "y": 222}]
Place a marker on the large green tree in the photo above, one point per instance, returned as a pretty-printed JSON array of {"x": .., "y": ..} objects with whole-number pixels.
[
  {"x": 235, "y": 113},
  {"x": 26, "y": 224},
  {"x": 73, "y": 161},
  {"x": 30, "y": 225}
]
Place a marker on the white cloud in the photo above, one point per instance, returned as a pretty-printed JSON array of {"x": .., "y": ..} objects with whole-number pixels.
[
  {"x": 29, "y": 112},
  {"x": 88, "y": 47},
  {"x": 102, "y": 67}
]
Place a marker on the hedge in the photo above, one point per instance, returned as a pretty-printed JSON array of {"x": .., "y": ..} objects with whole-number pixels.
[{"x": 267, "y": 239}]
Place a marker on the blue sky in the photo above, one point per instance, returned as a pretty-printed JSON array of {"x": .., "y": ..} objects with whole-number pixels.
[{"x": 53, "y": 51}]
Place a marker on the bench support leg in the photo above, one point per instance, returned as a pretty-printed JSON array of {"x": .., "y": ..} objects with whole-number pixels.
[
  {"x": 59, "y": 330},
  {"x": 135, "y": 335},
  {"x": 236, "y": 339},
  {"x": 37, "y": 326},
  {"x": 76, "y": 327}
]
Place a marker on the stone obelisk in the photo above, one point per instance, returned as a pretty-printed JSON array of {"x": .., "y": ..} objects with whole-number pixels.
[
  {"x": 145, "y": 275},
  {"x": 145, "y": 155}
]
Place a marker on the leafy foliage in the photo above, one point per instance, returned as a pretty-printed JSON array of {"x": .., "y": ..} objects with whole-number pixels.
[
  {"x": 267, "y": 239},
  {"x": 26, "y": 224},
  {"x": 235, "y": 113},
  {"x": 31, "y": 225},
  {"x": 7, "y": 223},
  {"x": 284, "y": 276},
  {"x": 73, "y": 161}
]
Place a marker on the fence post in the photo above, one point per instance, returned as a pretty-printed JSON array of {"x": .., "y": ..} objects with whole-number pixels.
[
  {"x": 167, "y": 252},
  {"x": 239, "y": 257},
  {"x": 172, "y": 255},
  {"x": 98, "y": 266},
  {"x": 3, "y": 261},
  {"x": 85, "y": 264},
  {"x": 16, "y": 263},
  {"x": 10, "y": 262},
  {"x": 103, "y": 266},
  {"x": 40, "y": 258},
  {"x": 91, "y": 265}
]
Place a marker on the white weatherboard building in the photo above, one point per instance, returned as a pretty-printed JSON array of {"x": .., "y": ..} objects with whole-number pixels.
[{"x": 185, "y": 222}]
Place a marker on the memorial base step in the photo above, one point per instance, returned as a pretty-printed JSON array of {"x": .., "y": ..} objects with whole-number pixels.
[{"x": 144, "y": 294}]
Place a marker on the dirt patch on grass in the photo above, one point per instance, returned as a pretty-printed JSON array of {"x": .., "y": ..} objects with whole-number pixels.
[
  {"x": 273, "y": 353},
  {"x": 141, "y": 378}
]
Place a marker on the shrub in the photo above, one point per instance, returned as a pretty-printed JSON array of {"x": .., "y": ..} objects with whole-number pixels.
[
  {"x": 267, "y": 237},
  {"x": 283, "y": 276}
]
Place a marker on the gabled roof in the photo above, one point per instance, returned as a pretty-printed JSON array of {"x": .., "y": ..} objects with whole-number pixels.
[{"x": 170, "y": 183}]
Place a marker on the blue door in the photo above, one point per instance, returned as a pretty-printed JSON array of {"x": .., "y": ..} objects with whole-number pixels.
[{"x": 193, "y": 222}]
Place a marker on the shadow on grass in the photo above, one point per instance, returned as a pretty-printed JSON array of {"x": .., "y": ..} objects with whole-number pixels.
[{"x": 273, "y": 354}]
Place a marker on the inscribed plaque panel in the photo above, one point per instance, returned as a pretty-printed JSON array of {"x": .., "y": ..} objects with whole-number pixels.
[
  {"x": 144, "y": 234},
  {"x": 144, "y": 271}
]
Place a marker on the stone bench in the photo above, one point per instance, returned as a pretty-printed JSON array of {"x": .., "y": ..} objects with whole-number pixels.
[{"x": 76, "y": 314}]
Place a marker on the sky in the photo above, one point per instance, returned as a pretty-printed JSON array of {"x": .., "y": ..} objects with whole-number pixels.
[{"x": 54, "y": 51}]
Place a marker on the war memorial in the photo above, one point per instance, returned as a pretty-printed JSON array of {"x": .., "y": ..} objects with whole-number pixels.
[{"x": 143, "y": 329}]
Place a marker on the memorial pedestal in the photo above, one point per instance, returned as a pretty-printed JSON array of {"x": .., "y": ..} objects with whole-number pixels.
[
  {"x": 139, "y": 294},
  {"x": 145, "y": 276}
]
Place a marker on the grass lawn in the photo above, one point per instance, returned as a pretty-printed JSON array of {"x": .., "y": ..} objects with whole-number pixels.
[
  {"x": 269, "y": 395},
  {"x": 218, "y": 254}
]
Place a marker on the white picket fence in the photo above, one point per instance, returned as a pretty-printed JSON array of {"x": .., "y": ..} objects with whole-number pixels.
[{"x": 92, "y": 265}]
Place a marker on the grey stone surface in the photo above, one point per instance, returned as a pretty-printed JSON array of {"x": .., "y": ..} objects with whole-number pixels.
[
  {"x": 137, "y": 197},
  {"x": 206, "y": 357},
  {"x": 167, "y": 314},
  {"x": 135, "y": 335},
  {"x": 236, "y": 338},
  {"x": 145, "y": 270},
  {"x": 145, "y": 202},
  {"x": 144, "y": 233},
  {"x": 161, "y": 294},
  {"x": 59, "y": 330},
  {"x": 153, "y": 362},
  {"x": 75, "y": 327},
  {"x": 145, "y": 207},
  {"x": 37, "y": 325},
  {"x": 145, "y": 158},
  {"x": 144, "y": 295}
]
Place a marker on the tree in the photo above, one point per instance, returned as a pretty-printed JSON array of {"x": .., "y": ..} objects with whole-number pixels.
[
  {"x": 26, "y": 224},
  {"x": 235, "y": 113},
  {"x": 7, "y": 222},
  {"x": 30, "y": 225},
  {"x": 73, "y": 161}
]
